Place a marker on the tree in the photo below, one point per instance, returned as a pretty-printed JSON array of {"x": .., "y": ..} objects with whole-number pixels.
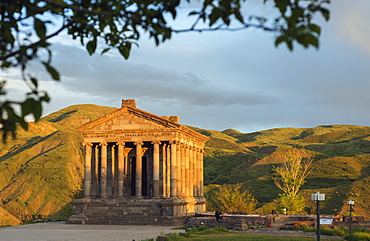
[
  {"x": 27, "y": 26},
  {"x": 290, "y": 178},
  {"x": 231, "y": 198}
]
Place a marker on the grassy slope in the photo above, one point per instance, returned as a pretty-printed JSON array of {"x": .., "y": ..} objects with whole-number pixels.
[
  {"x": 7, "y": 219},
  {"x": 42, "y": 169},
  {"x": 341, "y": 165}
]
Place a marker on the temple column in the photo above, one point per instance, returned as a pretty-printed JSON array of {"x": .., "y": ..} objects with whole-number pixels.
[
  {"x": 183, "y": 171},
  {"x": 87, "y": 177},
  {"x": 173, "y": 168},
  {"x": 168, "y": 171},
  {"x": 162, "y": 169},
  {"x": 110, "y": 170},
  {"x": 103, "y": 170},
  {"x": 201, "y": 174},
  {"x": 191, "y": 171},
  {"x": 178, "y": 169},
  {"x": 156, "y": 168},
  {"x": 139, "y": 174},
  {"x": 94, "y": 174},
  {"x": 121, "y": 168},
  {"x": 197, "y": 168},
  {"x": 187, "y": 172}
]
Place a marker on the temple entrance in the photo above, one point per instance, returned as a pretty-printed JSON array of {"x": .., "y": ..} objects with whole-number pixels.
[
  {"x": 145, "y": 177},
  {"x": 133, "y": 175}
]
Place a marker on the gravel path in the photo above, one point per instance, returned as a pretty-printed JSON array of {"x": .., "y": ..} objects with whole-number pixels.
[{"x": 59, "y": 231}]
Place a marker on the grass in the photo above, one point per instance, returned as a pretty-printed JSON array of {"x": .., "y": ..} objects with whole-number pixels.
[{"x": 243, "y": 236}]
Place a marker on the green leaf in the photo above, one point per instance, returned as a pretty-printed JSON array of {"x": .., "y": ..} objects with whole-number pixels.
[
  {"x": 91, "y": 46},
  {"x": 325, "y": 13},
  {"x": 125, "y": 50},
  {"x": 214, "y": 16},
  {"x": 40, "y": 28},
  {"x": 34, "y": 82},
  {"x": 23, "y": 123},
  {"x": 37, "y": 110},
  {"x": 289, "y": 43},
  {"x": 315, "y": 28},
  {"x": 53, "y": 72},
  {"x": 45, "y": 98},
  {"x": 6, "y": 64},
  {"x": 312, "y": 40},
  {"x": 279, "y": 40},
  {"x": 105, "y": 50},
  {"x": 239, "y": 16},
  {"x": 27, "y": 106}
]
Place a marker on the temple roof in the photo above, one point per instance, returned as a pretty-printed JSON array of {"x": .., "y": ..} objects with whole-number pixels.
[{"x": 129, "y": 118}]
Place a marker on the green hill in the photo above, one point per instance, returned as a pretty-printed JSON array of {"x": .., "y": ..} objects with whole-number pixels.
[
  {"x": 342, "y": 161},
  {"x": 42, "y": 170}
]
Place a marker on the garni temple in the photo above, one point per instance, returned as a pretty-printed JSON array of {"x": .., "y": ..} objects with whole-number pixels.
[{"x": 140, "y": 168}]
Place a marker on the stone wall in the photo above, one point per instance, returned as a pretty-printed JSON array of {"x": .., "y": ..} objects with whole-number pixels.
[
  {"x": 232, "y": 222},
  {"x": 132, "y": 211}
]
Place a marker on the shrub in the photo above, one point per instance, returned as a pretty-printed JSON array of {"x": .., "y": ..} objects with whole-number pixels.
[
  {"x": 201, "y": 228},
  {"x": 221, "y": 229},
  {"x": 358, "y": 237},
  {"x": 333, "y": 231},
  {"x": 360, "y": 229},
  {"x": 231, "y": 198},
  {"x": 306, "y": 228}
]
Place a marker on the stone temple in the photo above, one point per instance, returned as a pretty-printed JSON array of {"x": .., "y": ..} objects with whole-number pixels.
[{"x": 140, "y": 168}]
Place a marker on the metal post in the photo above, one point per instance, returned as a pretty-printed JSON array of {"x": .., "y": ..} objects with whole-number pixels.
[
  {"x": 318, "y": 197},
  {"x": 318, "y": 220},
  {"x": 350, "y": 219},
  {"x": 350, "y": 203}
]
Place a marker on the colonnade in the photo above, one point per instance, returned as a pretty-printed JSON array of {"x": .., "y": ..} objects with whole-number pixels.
[{"x": 150, "y": 169}]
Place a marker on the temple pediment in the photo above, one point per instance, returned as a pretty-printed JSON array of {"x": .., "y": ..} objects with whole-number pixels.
[{"x": 129, "y": 118}]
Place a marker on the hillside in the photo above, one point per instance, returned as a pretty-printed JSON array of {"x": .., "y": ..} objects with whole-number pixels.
[
  {"x": 340, "y": 169},
  {"x": 42, "y": 170}
]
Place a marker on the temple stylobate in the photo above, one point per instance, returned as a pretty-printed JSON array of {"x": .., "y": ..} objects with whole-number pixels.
[{"x": 140, "y": 169}]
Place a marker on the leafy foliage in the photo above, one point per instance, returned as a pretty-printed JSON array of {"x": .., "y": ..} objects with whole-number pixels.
[
  {"x": 293, "y": 205},
  {"x": 27, "y": 27},
  {"x": 292, "y": 174},
  {"x": 231, "y": 198}
]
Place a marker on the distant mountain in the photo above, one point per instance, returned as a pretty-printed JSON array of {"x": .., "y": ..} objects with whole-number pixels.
[{"x": 42, "y": 170}]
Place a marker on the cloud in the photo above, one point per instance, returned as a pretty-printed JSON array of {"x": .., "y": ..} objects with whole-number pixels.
[
  {"x": 111, "y": 76},
  {"x": 354, "y": 24},
  {"x": 226, "y": 80}
]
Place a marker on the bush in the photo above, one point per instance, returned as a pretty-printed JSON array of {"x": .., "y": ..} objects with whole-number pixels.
[
  {"x": 306, "y": 228},
  {"x": 360, "y": 229},
  {"x": 358, "y": 237},
  {"x": 333, "y": 231},
  {"x": 201, "y": 228},
  {"x": 221, "y": 229}
]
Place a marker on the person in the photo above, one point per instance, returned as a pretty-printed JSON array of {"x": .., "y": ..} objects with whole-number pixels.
[{"x": 218, "y": 216}]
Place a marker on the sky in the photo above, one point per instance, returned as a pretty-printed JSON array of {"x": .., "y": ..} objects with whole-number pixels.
[{"x": 225, "y": 80}]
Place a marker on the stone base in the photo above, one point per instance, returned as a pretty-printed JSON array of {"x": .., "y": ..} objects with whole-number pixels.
[{"x": 166, "y": 211}]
